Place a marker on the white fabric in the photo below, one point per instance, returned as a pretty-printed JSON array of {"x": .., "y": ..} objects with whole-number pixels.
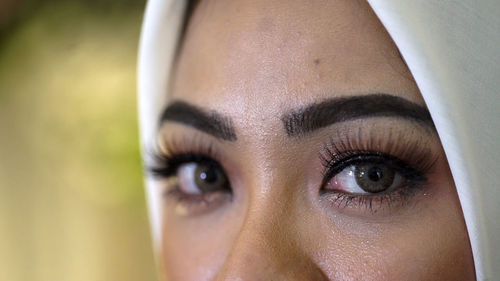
[
  {"x": 160, "y": 32},
  {"x": 452, "y": 49}
]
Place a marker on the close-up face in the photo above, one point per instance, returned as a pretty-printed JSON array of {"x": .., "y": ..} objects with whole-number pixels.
[{"x": 295, "y": 145}]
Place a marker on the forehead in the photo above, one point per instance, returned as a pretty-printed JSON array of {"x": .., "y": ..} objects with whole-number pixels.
[{"x": 261, "y": 57}]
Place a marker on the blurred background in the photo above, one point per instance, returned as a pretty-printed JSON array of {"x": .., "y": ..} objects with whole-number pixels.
[{"x": 71, "y": 197}]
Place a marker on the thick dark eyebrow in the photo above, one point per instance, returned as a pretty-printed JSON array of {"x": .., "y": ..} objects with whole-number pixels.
[
  {"x": 318, "y": 115},
  {"x": 207, "y": 121}
]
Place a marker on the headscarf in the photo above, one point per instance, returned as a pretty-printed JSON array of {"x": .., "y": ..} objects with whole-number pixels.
[{"x": 452, "y": 49}]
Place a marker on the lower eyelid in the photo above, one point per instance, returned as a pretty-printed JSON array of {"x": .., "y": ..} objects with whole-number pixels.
[
  {"x": 368, "y": 204},
  {"x": 373, "y": 204},
  {"x": 183, "y": 204}
]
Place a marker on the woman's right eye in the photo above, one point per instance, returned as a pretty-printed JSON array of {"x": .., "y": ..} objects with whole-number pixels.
[{"x": 198, "y": 178}]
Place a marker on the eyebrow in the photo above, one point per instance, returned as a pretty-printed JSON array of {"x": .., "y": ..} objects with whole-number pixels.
[
  {"x": 319, "y": 115},
  {"x": 206, "y": 121}
]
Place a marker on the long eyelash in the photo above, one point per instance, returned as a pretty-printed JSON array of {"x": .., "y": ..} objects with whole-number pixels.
[
  {"x": 164, "y": 159},
  {"x": 415, "y": 157},
  {"x": 416, "y": 154}
]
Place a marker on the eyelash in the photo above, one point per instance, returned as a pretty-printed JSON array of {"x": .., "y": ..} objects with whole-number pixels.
[
  {"x": 164, "y": 164},
  {"x": 414, "y": 162},
  {"x": 177, "y": 151},
  {"x": 167, "y": 164}
]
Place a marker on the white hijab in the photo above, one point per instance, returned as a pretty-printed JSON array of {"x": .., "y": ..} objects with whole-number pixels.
[{"x": 452, "y": 49}]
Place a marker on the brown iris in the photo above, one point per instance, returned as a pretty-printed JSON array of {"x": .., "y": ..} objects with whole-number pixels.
[
  {"x": 210, "y": 178},
  {"x": 374, "y": 178}
]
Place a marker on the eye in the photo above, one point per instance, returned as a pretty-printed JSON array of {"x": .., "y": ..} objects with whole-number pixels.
[
  {"x": 370, "y": 181},
  {"x": 197, "y": 178},
  {"x": 366, "y": 178},
  {"x": 194, "y": 184}
]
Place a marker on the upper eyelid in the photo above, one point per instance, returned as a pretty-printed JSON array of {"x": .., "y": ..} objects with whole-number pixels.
[
  {"x": 363, "y": 139},
  {"x": 424, "y": 162},
  {"x": 414, "y": 149},
  {"x": 174, "y": 146},
  {"x": 166, "y": 165},
  {"x": 389, "y": 160}
]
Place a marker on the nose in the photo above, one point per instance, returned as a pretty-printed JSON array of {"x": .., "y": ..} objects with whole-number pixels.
[{"x": 268, "y": 248}]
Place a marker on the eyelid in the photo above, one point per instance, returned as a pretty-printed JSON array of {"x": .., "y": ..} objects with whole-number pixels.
[
  {"x": 166, "y": 165},
  {"x": 410, "y": 173},
  {"x": 165, "y": 156},
  {"x": 398, "y": 146},
  {"x": 411, "y": 153},
  {"x": 176, "y": 151}
]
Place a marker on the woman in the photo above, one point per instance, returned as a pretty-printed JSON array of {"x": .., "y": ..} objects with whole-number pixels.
[{"x": 294, "y": 139}]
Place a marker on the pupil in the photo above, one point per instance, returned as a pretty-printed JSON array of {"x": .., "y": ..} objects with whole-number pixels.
[
  {"x": 209, "y": 175},
  {"x": 210, "y": 178},
  {"x": 375, "y": 174}
]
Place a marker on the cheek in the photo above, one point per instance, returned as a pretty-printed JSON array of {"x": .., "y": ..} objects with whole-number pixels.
[
  {"x": 194, "y": 248},
  {"x": 185, "y": 258},
  {"x": 429, "y": 244},
  {"x": 435, "y": 247}
]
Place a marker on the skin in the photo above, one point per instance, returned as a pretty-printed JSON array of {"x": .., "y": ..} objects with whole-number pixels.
[{"x": 253, "y": 61}]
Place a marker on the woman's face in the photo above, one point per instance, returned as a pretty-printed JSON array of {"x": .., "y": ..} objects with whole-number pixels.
[{"x": 296, "y": 146}]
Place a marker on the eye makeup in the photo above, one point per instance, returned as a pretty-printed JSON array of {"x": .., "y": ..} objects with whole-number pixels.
[
  {"x": 407, "y": 154},
  {"x": 367, "y": 168},
  {"x": 168, "y": 160},
  {"x": 184, "y": 164}
]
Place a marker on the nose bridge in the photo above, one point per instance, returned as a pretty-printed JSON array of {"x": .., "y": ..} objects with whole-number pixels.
[{"x": 266, "y": 248}]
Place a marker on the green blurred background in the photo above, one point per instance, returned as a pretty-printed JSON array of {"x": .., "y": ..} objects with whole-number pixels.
[{"x": 71, "y": 197}]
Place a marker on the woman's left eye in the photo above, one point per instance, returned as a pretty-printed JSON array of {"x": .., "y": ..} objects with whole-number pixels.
[
  {"x": 366, "y": 178},
  {"x": 370, "y": 181}
]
